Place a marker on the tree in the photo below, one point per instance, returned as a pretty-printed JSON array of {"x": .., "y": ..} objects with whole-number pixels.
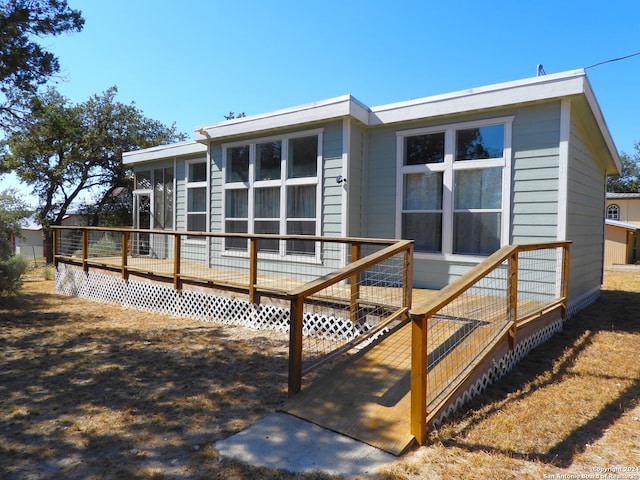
[
  {"x": 12, "y": 211},
  {"x": 232, "y": 115},
  {"x": 629, "y": 179},
  {"x": 66, "y": 151},
  {"x": 25, "y": 65}
]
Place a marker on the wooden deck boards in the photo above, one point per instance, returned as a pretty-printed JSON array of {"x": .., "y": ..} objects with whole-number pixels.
[{"x": 369, "y": 399}]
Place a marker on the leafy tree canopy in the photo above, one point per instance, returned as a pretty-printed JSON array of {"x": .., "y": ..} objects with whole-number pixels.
[
  {"x": 64, "y": 150},
  {"x": 24, "y": 64},
  {"x": 629, "y": 179},
  {"x": 12, "y": 210}
]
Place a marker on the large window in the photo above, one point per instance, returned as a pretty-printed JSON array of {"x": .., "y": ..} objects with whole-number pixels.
[
  {"x": 272, "y": 187},
  {"x": 451, "y": 187},
  {"x": 196, "y": 196}
]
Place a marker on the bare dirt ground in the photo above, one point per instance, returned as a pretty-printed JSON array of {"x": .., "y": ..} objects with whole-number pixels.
[{"x": 91, "y": 391}]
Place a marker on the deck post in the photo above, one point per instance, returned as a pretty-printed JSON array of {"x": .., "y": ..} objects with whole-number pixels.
[
  {"x": 512, "y": 308},
  {"x": 177, "y": 283},
  {"x": 254, "y": 297},
  {"x": 419, "y": 378},
  {"x": 56, "y": 239},
  {"x": 355, "y": 284},
  {"x": 124, "y": 239},
  {"x": 407, "y": 274},
  {"x": 295, "y": 345},
  {"x": 564, "y": 288},
  {"x": 85, "y": 250}
]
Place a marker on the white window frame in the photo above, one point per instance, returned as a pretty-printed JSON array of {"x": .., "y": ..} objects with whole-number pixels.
[
  {"x": 447, "y": 168},
  {"x": 283, "y": 182},
  {"x": 189, "y": 185},
  {"x": 610, "y": 209}
]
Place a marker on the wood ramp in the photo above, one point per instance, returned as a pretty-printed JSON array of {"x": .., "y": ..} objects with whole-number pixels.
[{"x": 367, "y": 397}]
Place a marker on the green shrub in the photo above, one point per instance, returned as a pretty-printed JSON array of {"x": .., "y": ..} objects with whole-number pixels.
[
  {"x": 11, "y": 271},
  {"x": 105, "y": 247}
]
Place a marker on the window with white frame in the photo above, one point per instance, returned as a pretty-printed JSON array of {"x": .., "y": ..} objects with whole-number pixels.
[
  {"x": 271, "y": 186},
  {"x": 452, "y": 185},
  {"x": 613, "y": 212},
  {"x": 196, "y": 186}
]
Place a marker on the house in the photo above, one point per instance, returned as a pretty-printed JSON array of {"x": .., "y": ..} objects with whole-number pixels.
[
  {"x": 622, "y": 222},
  {"x": 623, "y": 207},
  {"x": 461, "y": 174},
  {"x": 30, "y": 243}
]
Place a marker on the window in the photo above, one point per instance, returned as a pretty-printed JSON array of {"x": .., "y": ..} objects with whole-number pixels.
[
  {"x": 163, "y": 198},
  {"x": 272, "y": 187},
  {"x": 451, "y": 187},
  {"x": 196, "y": 197},
  {"x": 613, "y": 212},
  {"x": 157, "y": 184}
]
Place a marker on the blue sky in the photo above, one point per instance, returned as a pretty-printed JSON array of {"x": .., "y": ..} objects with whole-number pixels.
[{"x": 191, "y": 62}]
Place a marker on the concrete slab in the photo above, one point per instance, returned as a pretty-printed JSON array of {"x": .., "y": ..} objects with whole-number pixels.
[{"x": 282, "y": 441}]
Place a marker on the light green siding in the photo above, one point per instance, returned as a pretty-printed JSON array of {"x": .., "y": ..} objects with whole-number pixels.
[
  {"x": 535, "y": 171},
  {"x": 585, "y": 213},
  {"x": 355, "y": 179},
  {"x": 379, "y": 199},
  {"x": 331, "y": 190}
]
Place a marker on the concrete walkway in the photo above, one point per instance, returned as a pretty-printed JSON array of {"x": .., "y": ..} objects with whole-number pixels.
[{"x": 282, "y": 441}]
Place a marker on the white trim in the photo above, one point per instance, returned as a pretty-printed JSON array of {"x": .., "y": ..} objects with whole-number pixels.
[
  {"x": 447, "y": 168},
  {"x": 201, "y": 184},
  {"x": 333, "y": 108},
  {"x": 563, "y": 168},
  {"x": 464, "y": 101},
  {"x": 346, "y": 152},
  {"x": 505, "y": 237},
  {"x": 163, "y": 151},
  {"x": 282, "y": 183}
]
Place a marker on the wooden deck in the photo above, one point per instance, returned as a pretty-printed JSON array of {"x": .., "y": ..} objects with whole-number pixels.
[{"x": 368, "y": 397}]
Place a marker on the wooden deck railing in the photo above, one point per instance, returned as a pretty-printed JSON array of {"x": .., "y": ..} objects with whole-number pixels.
[
  {"x": 353, "y": 274},
  {"x": 515, "y": 285},
  {"x": 344, "y": 280}
]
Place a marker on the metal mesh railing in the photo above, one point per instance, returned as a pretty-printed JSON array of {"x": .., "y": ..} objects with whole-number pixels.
[
  {"x": 454, "y": 332},
  {"x": 340, "y": 291}
]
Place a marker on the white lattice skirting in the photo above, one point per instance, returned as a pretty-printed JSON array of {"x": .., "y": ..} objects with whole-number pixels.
[{"x": 165, "y": 300}]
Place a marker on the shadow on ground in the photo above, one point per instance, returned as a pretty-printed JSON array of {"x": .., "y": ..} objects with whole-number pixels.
[
  {"x": 551, "y": 363},
  {"x": 82, "y": 398}
]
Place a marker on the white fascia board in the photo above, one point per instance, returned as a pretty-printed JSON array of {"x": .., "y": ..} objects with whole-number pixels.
[
  {"x": 163, "y": 151},
  {"x": 338, "y": 107},
  {"x": 602, "y": 125},
  {"x": 616, "y": 223},
  {"x": 502, "y": 94}
]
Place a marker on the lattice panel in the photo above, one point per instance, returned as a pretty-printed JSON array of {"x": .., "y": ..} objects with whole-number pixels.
[
  {"x": 328, "y": 328},
  {"x": 164, "y": 300},
  {"x": 69, "y": 281},
  {"x": 152, "y": 297},
  {"x": 104, "y": 288}
]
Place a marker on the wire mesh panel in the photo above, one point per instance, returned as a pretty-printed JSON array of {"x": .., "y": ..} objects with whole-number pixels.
[
  {"x": 356, "y": 308},
  {"x": 539, "y": 279},
  {"x": 460, "y": 332}
]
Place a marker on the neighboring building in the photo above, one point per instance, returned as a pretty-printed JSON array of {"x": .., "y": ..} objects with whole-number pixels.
[
  {"x": 621, "y": 243},
  {"x": 622, "y": 215},
  {"x": 30, "y": 243},
  {"x": 623, "y": 207},
  {"x": 462, "y": 174}
]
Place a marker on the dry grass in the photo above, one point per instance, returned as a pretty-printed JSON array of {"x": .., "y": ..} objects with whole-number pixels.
[{"x": 89, "y": 391}]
